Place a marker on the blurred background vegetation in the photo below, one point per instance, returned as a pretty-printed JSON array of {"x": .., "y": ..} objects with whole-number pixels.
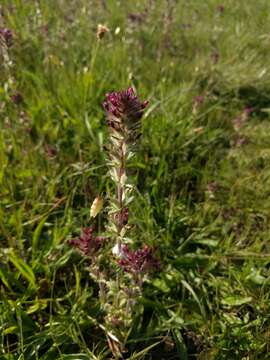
[{"x": 202, "y": 173}]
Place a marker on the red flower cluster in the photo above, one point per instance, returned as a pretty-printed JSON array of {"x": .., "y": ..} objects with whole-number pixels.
[
  {"x": 86, "y": 242},
  {"x": 6, "y": 36},
  {"x": 122, "y": 217},
  {"x": 16, "y": 98},
  {"x": 123, "y": 107},
  {"x": 138, "y": 261}
]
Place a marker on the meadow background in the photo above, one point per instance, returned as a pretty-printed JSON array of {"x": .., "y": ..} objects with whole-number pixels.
[{"x": 202, "y": 173}]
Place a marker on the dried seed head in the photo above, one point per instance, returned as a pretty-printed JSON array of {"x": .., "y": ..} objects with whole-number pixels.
[
  {"x": 101, "y": 31},
  {"x": 96, "y": 207}
]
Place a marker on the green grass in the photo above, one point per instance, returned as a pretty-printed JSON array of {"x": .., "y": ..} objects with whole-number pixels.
[{"x": 211, "y": 297}]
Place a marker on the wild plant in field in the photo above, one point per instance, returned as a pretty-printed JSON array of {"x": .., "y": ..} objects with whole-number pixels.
[
  {"x": 123, "y": 112},
  {"x": 6, "y": 37},
  {"x": 6, "y": 41},
  {"x": 123, "y": 115},
  {"x": 119, "y": 269}
]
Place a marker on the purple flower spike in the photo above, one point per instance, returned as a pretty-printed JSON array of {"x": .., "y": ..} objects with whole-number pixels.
[
  {"x": 138, "y": 261},
  {"x": 16, "y": 98},
  {"x": 124, "y": 110},
  {"x": 221, "y": 9},
  {"x": 6, "y": 37},
  {"x": 87, "y": 243}
]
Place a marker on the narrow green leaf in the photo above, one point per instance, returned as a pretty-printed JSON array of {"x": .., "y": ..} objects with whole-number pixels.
[
  {"x": 144, "y": 351},
  {"x": 36, "y": 235},
  {"x": 4, "y": 279},
  {"x": 189, "y": 288},
  {"x": 24, "y": 269},
  {"x": 37, "y": 306},
  {"x": 180, "y": 344},
  {"x": 10, "y": 330},
  {"x": 75, "y": 357},
  {"x": 236, "y": 300}
]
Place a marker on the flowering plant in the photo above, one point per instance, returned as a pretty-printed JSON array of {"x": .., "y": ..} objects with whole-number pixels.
[
  {"x": 6, "y": 37},
  {"x": 121, "y": 283}
]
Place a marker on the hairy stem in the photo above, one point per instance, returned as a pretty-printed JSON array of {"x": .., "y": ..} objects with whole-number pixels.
[{"x": 120, "y": 191}]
